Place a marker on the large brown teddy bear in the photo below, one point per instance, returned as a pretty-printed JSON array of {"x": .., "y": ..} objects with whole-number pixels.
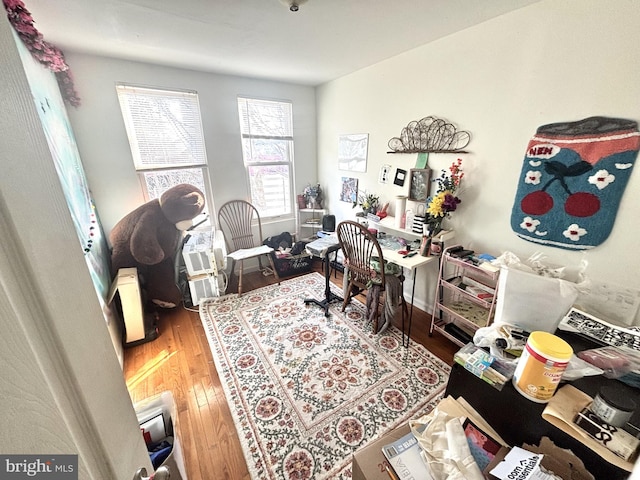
[{"x": 148, "y": 237}]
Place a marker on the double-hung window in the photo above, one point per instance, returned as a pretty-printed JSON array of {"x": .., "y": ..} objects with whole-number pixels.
[
  {"x": 166, "y": 138},
  {"x": 266, "y": 127}
]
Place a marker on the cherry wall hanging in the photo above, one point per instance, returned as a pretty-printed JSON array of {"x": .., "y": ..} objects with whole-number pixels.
[{"x": 573, "y": 177}]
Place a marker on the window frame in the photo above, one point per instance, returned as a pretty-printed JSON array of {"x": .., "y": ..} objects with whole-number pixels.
[
  {"x": 289, "y": 163},
  {"x": 133, "y": 130}
]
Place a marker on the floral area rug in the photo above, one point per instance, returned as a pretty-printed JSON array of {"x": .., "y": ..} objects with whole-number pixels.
[{"x": 306, "y": 391}]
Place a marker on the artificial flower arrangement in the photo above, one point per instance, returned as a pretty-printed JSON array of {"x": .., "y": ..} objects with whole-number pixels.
[
  {"x": 313, "y": 195},
  {"x": 445, "y": 201},
  {"x": 312, "y": 191},
  {"x": 367, "y": 201},
  {"x": 44, "y": 52}
]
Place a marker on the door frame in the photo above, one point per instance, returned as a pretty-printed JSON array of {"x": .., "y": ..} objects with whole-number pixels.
[{"x": 62, "y": 389}]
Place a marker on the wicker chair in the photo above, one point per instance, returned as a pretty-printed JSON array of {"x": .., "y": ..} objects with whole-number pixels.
[{"x": 236, "y": 219}]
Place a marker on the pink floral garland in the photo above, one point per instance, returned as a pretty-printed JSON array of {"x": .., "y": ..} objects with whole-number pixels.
[{"x": 46, "y": 53}]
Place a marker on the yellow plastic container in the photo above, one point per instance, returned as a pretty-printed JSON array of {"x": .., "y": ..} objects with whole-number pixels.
[{"x": 540, "y": 368}]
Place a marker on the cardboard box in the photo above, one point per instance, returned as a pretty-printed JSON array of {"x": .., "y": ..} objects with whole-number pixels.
[{"x": 368, "y": 462}]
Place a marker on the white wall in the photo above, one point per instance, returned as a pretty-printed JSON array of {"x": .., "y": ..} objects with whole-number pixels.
[
  {"x": 104, "y": 147},
  {"x": 553, "y": 61}
]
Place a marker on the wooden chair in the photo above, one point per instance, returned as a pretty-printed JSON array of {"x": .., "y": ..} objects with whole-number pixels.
[
  {"x": 361, "y": 252},
  {"x": 236, "y": 219}
]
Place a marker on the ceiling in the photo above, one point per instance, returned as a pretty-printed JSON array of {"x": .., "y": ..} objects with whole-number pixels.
[{"x": 324, "y": 40}]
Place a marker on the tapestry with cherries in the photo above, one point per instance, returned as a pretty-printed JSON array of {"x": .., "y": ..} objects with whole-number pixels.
[{"x": 572, "y": 180}]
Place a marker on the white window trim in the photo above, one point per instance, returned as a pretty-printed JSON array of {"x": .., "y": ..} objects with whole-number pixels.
[{"x": 290, "y": 163}]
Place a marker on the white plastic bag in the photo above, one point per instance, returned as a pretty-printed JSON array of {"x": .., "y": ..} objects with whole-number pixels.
[{"x": 533, "y": 302}]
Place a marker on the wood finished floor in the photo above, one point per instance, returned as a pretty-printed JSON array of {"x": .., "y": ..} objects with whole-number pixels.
[{"x": 179, "y": 360}]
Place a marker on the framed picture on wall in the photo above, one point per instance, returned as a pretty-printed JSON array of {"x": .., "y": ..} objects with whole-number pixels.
[
  {"x": 349, "y": 192},
  {"x": 419, "y": 183},
  {"x": 401, "y": 175},
  {"x": 352, "y": 152}
]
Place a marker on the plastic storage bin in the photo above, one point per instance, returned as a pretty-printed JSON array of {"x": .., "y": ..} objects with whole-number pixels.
[{"x": 158, "y": 420}]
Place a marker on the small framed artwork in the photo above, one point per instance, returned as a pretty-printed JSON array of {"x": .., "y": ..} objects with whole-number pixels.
[
  {"x": 352, "y": 152},
  {"x": 384, "y": 174},
  {"x": 400, "y": 177},
  {"x": 349, "y": 192},
  {"x": 419, "y": 182}
]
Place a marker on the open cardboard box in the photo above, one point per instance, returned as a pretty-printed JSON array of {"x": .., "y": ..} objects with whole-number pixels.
[{"x": 368, "y": 462}]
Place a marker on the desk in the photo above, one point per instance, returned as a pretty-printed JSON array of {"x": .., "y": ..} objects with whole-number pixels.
[{"x": 410, "y": 263}]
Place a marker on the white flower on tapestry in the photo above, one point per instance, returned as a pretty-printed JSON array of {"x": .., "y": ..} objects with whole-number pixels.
[
  {"x": 338, "y": 373},
  {"x": 307, "y": 336},
  {"x": 533, "y": 177},
  {"x": 427, "y": 376},
  {"x": 574, "y": 232},
  {"x": 350, "y": 431},
  {"x": 286, "y": 309},
  {"x": 268, "y": 408},
  {"x": 623, "y": 166},
  {"x": 246, "y": 361},
  {"x": 601, "y": 179},
  {"x": 394, "y": 399},
  {"x": 299, "y": 464},
  {"x": 530, "y": 224}
]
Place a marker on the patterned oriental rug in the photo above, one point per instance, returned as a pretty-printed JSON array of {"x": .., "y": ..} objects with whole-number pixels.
[{"x": 305, "y": 390}]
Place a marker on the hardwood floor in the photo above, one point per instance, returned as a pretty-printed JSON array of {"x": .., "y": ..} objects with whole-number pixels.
[{"x": 179, "y": 360}]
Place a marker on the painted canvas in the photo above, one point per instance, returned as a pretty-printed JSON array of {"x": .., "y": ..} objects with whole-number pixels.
[
  {"x": 349, "y": 191},
  {"x": 352, "y": 152}
]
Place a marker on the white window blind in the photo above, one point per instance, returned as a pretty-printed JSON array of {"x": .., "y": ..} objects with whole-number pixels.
[
  {"x": 266, "y": 127},
  {"x": 163, "y": 126},
  {"x": 166, "y": 138}
]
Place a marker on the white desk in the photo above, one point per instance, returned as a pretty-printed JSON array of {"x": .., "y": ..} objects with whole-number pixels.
[
  {"x": 388, "y": 224},
  {"x": 410, "y": 263}
]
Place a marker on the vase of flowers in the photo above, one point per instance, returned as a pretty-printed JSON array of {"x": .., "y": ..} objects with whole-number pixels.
[
  {"x": 369, "y": 202},
  {"x": 444, "y": 201},
  {"x": 313, "y": 195}
]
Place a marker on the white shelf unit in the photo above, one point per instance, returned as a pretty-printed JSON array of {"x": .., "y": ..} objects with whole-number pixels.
[
  {"x": 310, "y": 221},
  {"x": 456, "y": 305}
]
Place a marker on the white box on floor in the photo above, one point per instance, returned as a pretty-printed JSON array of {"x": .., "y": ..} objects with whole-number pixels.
[{"x": 148, "y": 411}]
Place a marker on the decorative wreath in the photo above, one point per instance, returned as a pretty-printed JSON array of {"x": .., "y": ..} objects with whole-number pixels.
[{"x": 430, "y": 134}]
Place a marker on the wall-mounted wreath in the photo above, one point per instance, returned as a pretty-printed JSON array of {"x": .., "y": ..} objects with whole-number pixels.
[{"x": 431, "y": 135}]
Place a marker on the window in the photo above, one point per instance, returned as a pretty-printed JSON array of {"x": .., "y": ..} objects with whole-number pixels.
[
  {"x": 166, "y": 139},
  {"x": 267, "y": 148}
]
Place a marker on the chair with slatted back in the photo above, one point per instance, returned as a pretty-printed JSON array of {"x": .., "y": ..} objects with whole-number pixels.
[
  {"x": 237, "y": 219},
  {"x": 363, "y": 265}
]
